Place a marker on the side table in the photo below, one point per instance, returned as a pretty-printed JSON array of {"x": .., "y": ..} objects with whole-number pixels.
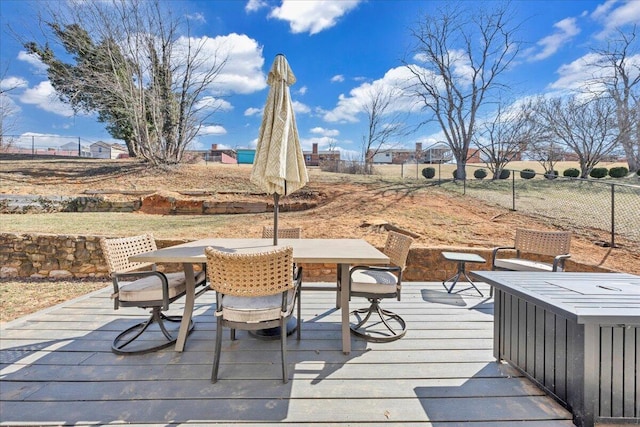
[{"x": 461, "y": 258}]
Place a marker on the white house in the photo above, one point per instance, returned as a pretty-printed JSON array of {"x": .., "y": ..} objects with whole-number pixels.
[
  {"x": 71, "y": 149},
  {"x": 104, "y": 150}
]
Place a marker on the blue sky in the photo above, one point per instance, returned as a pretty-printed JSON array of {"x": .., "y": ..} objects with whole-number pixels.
[{"x": 336, "y": 49}]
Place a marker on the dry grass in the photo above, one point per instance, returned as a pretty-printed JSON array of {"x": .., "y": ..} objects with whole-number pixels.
[{"x": 21, "y": 297}]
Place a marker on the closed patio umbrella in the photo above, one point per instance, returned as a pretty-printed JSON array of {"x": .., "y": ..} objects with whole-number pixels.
[{"x": 279, "y": 166}]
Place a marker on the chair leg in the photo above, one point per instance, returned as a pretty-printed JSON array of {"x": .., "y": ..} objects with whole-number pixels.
[
  {"x": 283, "y": 349},
  {"x": 384, "y": 315},
  {"x": 156, "y": 317},
  {"x": 299, "y": 316},
  {"x": 217, "y": 351}
]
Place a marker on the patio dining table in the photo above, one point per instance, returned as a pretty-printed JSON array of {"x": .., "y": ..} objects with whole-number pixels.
[{"x": 342, "y": 252}]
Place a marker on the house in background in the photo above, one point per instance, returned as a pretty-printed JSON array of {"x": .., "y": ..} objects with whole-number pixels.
[
  {"x": 104, "y": 150},
  {"x": 71, "y": 149},
  {"x": 222, "y": 155},
  {"x": 315, "y": 157},
  {"x": 438, "y": 153}
]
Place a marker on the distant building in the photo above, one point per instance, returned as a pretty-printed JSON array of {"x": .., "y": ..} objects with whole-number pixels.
[
  {"x": 439, "y": 153},
  {"x": 246, "y": 155},
  {"x": 225, "y": 155},
  {"x": 104, "y": 150},
  {"x": 71, "y": 149},
  {"x": 315, "y": 157}
]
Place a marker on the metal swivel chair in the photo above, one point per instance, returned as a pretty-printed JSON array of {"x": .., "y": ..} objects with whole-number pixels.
[
  {"x": 137, "y": 284},
  {"x": 376, "y": 283}
]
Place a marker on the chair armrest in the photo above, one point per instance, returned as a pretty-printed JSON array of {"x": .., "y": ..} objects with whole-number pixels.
[
  {"x": 558, "y": 261},
  {"x": 494, "y": 253},
  {"x": 160, "y": 275}
]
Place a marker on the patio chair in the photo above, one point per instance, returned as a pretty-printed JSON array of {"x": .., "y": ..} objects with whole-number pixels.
[
  {"x": 137, "y": 284},
  {"x": 253, "y": 291},
  {"x": 376, "y": 283},
  {"x": 283, "y": 233}
]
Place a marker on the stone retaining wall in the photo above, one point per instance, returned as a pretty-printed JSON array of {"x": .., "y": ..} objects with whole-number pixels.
[{"x": 65, "y": 257}]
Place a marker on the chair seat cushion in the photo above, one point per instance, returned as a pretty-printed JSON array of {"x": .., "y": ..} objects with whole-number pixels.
[
  {"x": 255, "y": 309},
  {"x": 519, "y": 264},
  {"x": 373, "y": 282},
  {"x": 149, "y": 288}
]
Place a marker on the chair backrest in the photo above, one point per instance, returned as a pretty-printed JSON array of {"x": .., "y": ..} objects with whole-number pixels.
[
  {"x": 397, "y": 248},
  {"x": 543, "y": 242},
  {"x": 117, "y": 252},
  {"x": 283, "y": 233},
  {"x": 250, "y": 274}
]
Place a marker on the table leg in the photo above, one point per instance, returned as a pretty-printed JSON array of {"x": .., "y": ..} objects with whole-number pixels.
[
  {"x": 344, "y": 302},
  {"x": 189, "y": 303},
  {"x": 461, "y": 272}
]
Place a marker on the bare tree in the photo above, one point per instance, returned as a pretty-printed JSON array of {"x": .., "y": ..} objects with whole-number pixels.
[
  {"x": 8, "y": 111},
  {"x": 383, "y": 123},
  {"x": 505, "y": 137},
  {"x": 137, "y": 66},
  {"x": 463, "y": 55},
  {"x": 587, "y": 127},
  {"x": 618, "y": 76}
]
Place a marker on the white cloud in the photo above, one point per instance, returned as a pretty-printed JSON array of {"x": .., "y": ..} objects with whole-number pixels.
[
  {"x": 252, "y": 111},
  {"x": 615, "y": 14},
  {"x": 255, "y": 5},
  {"x": 300, "y": 108},
  {"x": 312, "y": 16},
  {"x": 242, "y": 72},
  {"x": 212, "y": 103},
  {"x": 32, "y": 60},
  {"x": 302, "y": 90},
  {"x": 585, "y": 72},
  {"x": 212, "y": 130},
  {"x": 44, "y": 96},
  {"x": 566, "y": 30},
  {"x": 197, "y": 17},
  {"x": 11, "y": 82},
  {"x": 339, "y": 78},
  {"x": 350, "y": 106},
  {"x": 325, "y": 132},
  {"x": 324, "y": 143}
]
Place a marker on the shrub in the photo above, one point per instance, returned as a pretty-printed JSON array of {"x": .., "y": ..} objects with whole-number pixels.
[
  {"x": 504, "y": 174},
  {"x": 551, "y": 174},
  {"x": 618, "y": 172},
  {"x": 455, "y": 174},
  {"x": 429, "y": 172},
  {"x": 480, "y": 173},
  {"x": 598, "y": 173},
  {"x": 527, "y": 173},
  {"x": 571, "y": 173},
  {"x": 638, "y": 173}
]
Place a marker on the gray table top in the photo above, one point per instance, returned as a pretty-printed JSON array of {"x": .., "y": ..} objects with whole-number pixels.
[
  {"x": 585, "y": 297},
  {"x": 462, "y": 257}
]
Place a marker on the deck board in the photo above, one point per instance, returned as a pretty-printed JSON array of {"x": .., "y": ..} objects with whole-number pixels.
[{"x": 56, "y": 367}]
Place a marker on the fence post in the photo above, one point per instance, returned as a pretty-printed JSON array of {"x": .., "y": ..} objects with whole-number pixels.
[
  {"x": 513, "y": 190},
  {"x": 613, "y": 216}
]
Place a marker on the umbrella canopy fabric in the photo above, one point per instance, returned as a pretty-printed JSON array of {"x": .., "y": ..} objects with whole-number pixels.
[{"x": 279, "y": 166}]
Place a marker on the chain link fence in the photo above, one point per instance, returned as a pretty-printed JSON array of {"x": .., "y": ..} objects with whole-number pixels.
[{"x": 607, "y": 210}]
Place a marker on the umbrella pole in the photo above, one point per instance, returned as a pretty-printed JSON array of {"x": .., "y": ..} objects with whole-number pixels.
[{"x": 276, "y": 209}]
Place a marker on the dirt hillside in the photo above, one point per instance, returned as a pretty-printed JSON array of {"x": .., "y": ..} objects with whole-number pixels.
[{"x": 345, "y": 204}]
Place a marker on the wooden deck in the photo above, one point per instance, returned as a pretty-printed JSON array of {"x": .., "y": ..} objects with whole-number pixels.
[{"x": 57, "y": 368}]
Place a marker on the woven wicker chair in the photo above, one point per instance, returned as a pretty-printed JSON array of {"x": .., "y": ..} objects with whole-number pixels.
[
  {"x": 376, "y": 283},
  {"x": 253, "y": 291},
  {"x": 283, "y": 233},
  {"x": 554, "y": 244},
  {"x": 137, "y": 284}
]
